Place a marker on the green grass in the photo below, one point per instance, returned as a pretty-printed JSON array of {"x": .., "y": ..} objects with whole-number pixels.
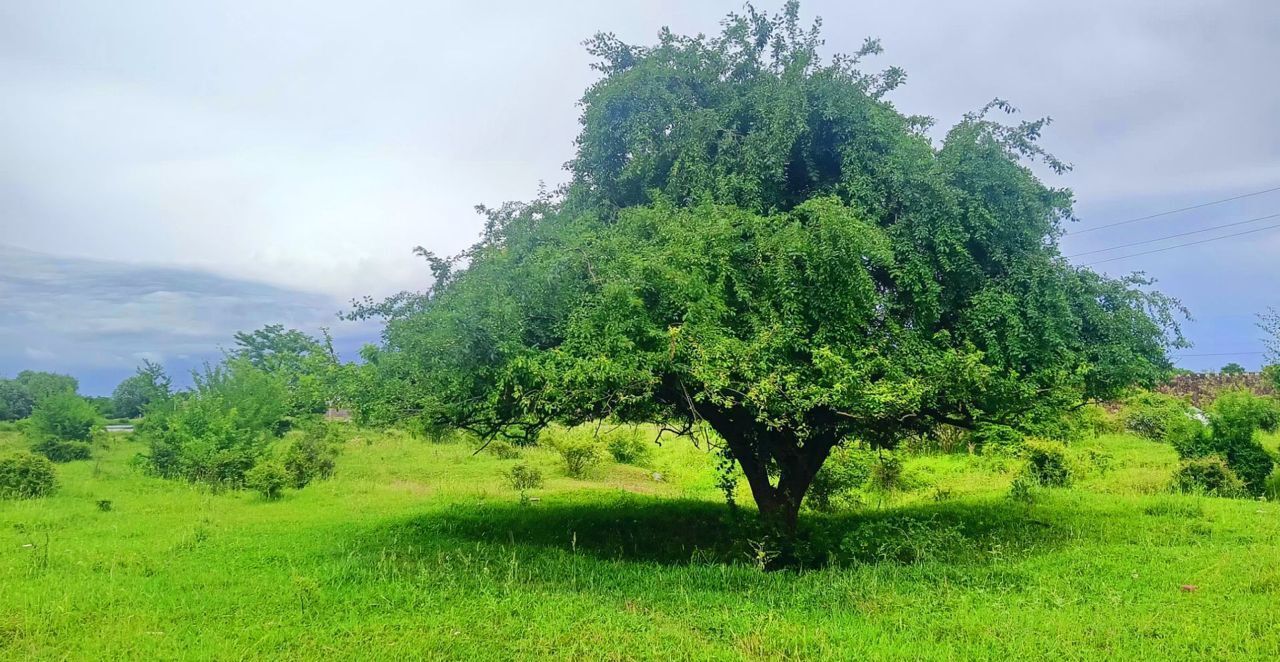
[{"x": 421, "y": 551}]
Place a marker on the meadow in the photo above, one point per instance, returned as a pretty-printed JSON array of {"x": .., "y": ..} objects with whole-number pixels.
[{"x": 420, "y": 550}]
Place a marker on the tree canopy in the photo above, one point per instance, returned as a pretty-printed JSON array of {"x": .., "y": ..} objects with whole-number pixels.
[
  {"x": 149, "y": 384},
  {"x": 755, "y": 239},
  {"x": 20, "y": 395},
  {"x": 308, "y": 366}
]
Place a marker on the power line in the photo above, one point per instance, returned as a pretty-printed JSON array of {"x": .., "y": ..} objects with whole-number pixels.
[
  {"x": 1175, "y": 236},
  {"x": 1172, "y": 211},
  {"x": 1189, "y": 243}
]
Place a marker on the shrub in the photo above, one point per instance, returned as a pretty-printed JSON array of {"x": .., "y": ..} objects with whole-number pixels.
[
  {"x": 524, "y": 477},
  {"x": 886, "y": 474},
  {"x": 843, "y": 472},
  {"x": 1148, "y": 414},
  {"x": 221, "y": 429},
  {"x": 994, "y": 438},
  {"x": 309, "y": 458},
  {"x": 1047, "y": 463},
  {"x": 1234, "y": 420},
  {"x": 1188, "y": 435},
  {"x": 59, "y": 450},
  {"x": 1210, "y": 475},
  {"x": 61, "y": 427},
  {"x": 579, "y": 450},
  {"x": 267, "y": 478},
  {"x": 1095, "y": 421},
  {"x": 503, "y": 450},
  {"x": 1271, "y": 488},
  {"x": 1023, "y": 489},
  {"x": 629, "y": 446},
  {"x": 26, "y": 476}
]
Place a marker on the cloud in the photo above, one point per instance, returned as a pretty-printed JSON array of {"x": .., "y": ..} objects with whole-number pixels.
[
  {"x": 100, "y": 317},
  {"x": 312, "y": 149}
]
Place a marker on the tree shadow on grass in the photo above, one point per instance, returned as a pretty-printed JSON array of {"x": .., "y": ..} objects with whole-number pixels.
[{"x": 682, "y": 532}]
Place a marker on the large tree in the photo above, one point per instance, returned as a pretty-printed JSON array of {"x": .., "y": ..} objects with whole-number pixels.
[{"x": 754, "y": 239}]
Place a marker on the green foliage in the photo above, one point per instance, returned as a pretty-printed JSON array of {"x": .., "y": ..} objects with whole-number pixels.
[
  {"x": 524, "y": 477},
  {"x": 1148, "y": 414},
  {"x": 1094, "y": 421},
  {"x": 308, "y": 367},
  {"x": 61, "y": 450},
  {"x": 845, "y": 471},
  {"x": 886, "y": 474},
  {"x": 503, "y": 450},
  {"x": 1023, "y": 489},
  {"x": 1047, "y": 463},
  {"x": 1210, "y": 475},
  {"x": 1233, "y": 369},
  {"x": 753, "y": 237},
  {"x": 61, "y": 427},
  {"x": 221, "y": 428},
  {"x": 148, "y": 385},
  {"x": 1234, "y": 419},
  {"x": 629, "y": 445},
  {"x": 63, "y": 416},
  {"x": 1271, "y": 488},
  {"x": 26, "y": 476},
  {"x": 906, "y": 540},
  {"x": 579, "y": 449},
  {"x": 20, "y": 396},
  {"x": 307, "y": 458},
  {"x": 267, "y": 478}
]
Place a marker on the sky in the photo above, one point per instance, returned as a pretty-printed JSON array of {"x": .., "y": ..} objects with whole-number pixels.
[{"x": 173, "y": 172}]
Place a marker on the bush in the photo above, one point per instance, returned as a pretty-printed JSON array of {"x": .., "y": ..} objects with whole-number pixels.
[
  {"x": 1095, "y": 421},
  {"x": 63, "y": 451},
  {"x": 524, "y": 477},
  {"x": 886, "y": 474},
  {"x": 1148, "y": 414},
  {"x": 309, "y": 458},
  {"x": 503, "y": 450},
  {"x": 1271, "y": 488},
  {"x": 995, "y": 438},
  {"x": 267, "y": 478},
  {"x": 221, "y": 429},
  {"x": 61, "y": 427},
  {"x": 1023, "y": 489},
  {"x": 1046, "y": 463},
  {"x": 579, "y": 450},
  {"x": 1234, "y": 420},
  {"x": 629, "y": 446},
  {"x": 26, "y": 476},
  {"x": 845, "y": 470},
  {"x": 1209, "y": 475}
]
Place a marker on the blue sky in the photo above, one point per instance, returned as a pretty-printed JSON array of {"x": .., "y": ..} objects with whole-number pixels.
[{"x": 173, "y": 172}]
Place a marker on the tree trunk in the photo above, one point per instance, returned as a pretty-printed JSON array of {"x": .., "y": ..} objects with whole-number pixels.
[{"x": 756, "y": 447}]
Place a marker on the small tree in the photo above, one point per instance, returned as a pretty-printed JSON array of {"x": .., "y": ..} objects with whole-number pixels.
[
  {"x": 149, "y": 384},
  {"x": 220, "y": 429},
  {"x": 1233, "y": 369},
  {"x": 61, "y": 427}
]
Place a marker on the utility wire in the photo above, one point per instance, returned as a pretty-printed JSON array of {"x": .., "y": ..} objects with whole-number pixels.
[
  {"x": 1175, "y": 236},
  {"x": 1189, "y": 243},
  {"x": 1172, "y": 211}
]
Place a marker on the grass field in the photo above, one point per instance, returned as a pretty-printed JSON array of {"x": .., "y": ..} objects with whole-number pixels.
[{"x": 421, "y": 551}]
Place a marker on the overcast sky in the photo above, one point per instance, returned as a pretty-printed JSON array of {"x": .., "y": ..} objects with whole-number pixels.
[{"x": 214, "y": 166}]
